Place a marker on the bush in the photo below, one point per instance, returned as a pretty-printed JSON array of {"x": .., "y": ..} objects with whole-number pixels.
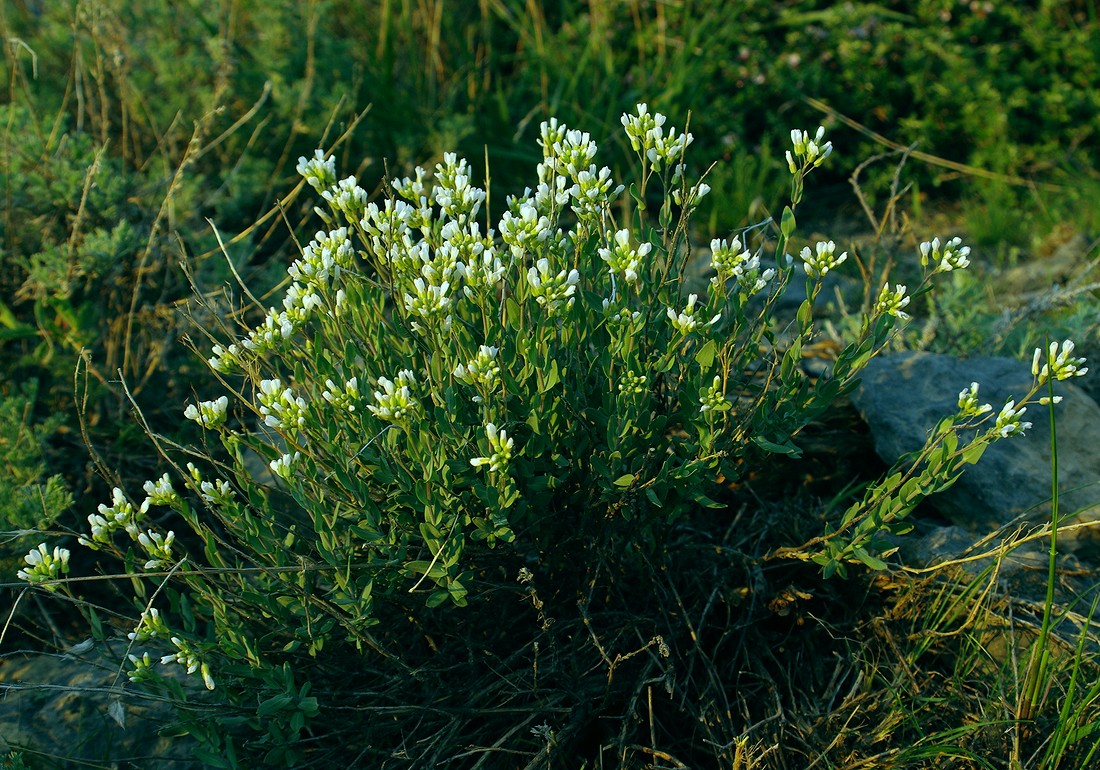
[{"x": 429, "y": 391}]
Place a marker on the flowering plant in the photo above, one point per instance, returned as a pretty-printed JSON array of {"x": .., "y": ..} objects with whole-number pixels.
[{"x": 430, "y": 385}]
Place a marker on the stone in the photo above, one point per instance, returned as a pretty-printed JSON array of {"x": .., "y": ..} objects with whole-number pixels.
[
  {"x": 81, "y": 706},
  {"x": 902, "y": 396}
]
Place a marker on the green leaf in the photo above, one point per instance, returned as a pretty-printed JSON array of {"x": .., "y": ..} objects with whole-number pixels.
[
  {"x": 624, "y": 481},
  {"x": 788, "y": 224},
  {"x": 869, "y": 560},
  {"x": 786, "y": 448},
  {"x": 805, "y": 315},
  {"x": 705, "y": 356},
  {"x": 272, "y": 705}
]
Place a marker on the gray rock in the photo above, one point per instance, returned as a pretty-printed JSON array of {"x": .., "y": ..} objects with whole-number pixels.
[
  {"x": 81, "y": 707},
  {"x": 903, "y": 396}
]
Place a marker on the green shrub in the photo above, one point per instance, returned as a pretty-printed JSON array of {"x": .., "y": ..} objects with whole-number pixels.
[{"x": 430, "y": 389}]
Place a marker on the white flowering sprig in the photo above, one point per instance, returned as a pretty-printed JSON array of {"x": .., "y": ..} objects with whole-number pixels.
[
  {"x": 160, "y": 492},
  {"x": 553, "y": 292},
  {"x": 822, "y": 259},
  {"x": 159, "y": 549},
  {"x": 650, "y": 140},
  {"x": 344, "y": 398},
  {"x": 284, "y": 465},
  {"x": 483, "y": 372},
  {"x": 429, "y": 303},
  {"x": 457, "y": 198},
  {"x": 1061, "y": 365},
  {"x": 208, "y": 414},
  {"x": 395, "y": 402},
  {"x": 593, "y": 192},
  {"x": 807, "y": 153},
  {"x": 111, "y": 518},
  {"x": 318, "y": 171},
  {"x": 969, "y": 405},
  {"x": 623, "y": 258},
  {"x": 892, "y": 302},
  {"x": 951, "y": 256},
  {"x": 150, "y": 626},
  {"x": 225, "y": 360},
  {"x": 1008, "y": 420},
  {"x": 217, "y": 492},
  {"x": 279, "y": 406},
  {"x": 500, "y": 449},
  {"x": 713, "y": 399},
  {"x": 732, "y": 262},
  {"x": 187, "y": 657},
  {"x": 573, "y": 153},
  {"x": 323, "y": 258},
  {"x": 524, "y": 229},
  {"x": 44, "y": 566},
  {"x": 686, "y": 320},
  {"x": 347, "y": 197}
]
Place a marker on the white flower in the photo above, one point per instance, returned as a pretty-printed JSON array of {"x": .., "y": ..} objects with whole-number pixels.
[
  {"x": 968, "y": 402},
  {"x": 319, "y": 171},
  {"x": 553, "y": 292},
  {"x": 395, "y": 402},
  {"x": 1061, "y": 364},
  {"x": 158, "y": 547},
  {"x": 482, "y": 372},
  {"x": 160, "y": 492},
  {"x": 685, "y": 321},
  {"x": 208, "y": 414},
  {"x": 808, "y": 153},
  {"x": 713, "y": 399},
  {"x": 731, "y": 262},
  {"x": 280, "y": 407},
  {"x": 283, "y": 467},
  {"x": 622, "y": 258},
  {"x": 500, "y": 448},
  {"x": 44, "y": 565},
  {"x": 819, "y": 262},
  {"x": 1008, "y": 421},
  {"x": 953, "y": 255},
  {"x": 345, "y": 398},
  {"x": 892, "y": 301}
]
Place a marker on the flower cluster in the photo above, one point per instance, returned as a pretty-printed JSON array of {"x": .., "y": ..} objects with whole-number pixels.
[
  {"x": 160, "y": 492},
  {"x": 892, "y": 302},
  {"x": 208, "y": 414},
  {"x": 648, "y": 138},
  {"x": 279, "y": 406},
  {"x": 342, "y": 398},
  {"x": 553, "y": 292},
  {"x": 1009, "y": 422},
  {"x": 685, "y": 321},
  {"x": 347, "y": 197},
  {"x": 456, "y": 197},
  {"x": 822, "y": 259},
  {"x": 283, "y": 466},
  {"x": 395, "y": 402},
  {"x": 43, "y": 566},
  {"x": 1061, "y": 365},
  {"x": 951, "y": 256},
  {"x": 158, "y": 547},
  {"x": 318, "y": 171},
  {"x": 622, "y": 257},
  {"x": 500, "y": 449},
  {"x": 713, "y": 399},
  {"x": 482, "y": 372},
  {"x": 808, "y": 153},
  {"x": 732, "y": 262},
  {"x": 969, "y": 406},
  {"x": 633, "y": 384},
  {"x": 119, "y": 515},
  {"x": 186, "y": 656},
  {"x": 150, "y": 626}
]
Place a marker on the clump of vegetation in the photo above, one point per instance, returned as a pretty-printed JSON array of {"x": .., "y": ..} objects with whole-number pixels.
[{"x": 436, "y": 398}]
